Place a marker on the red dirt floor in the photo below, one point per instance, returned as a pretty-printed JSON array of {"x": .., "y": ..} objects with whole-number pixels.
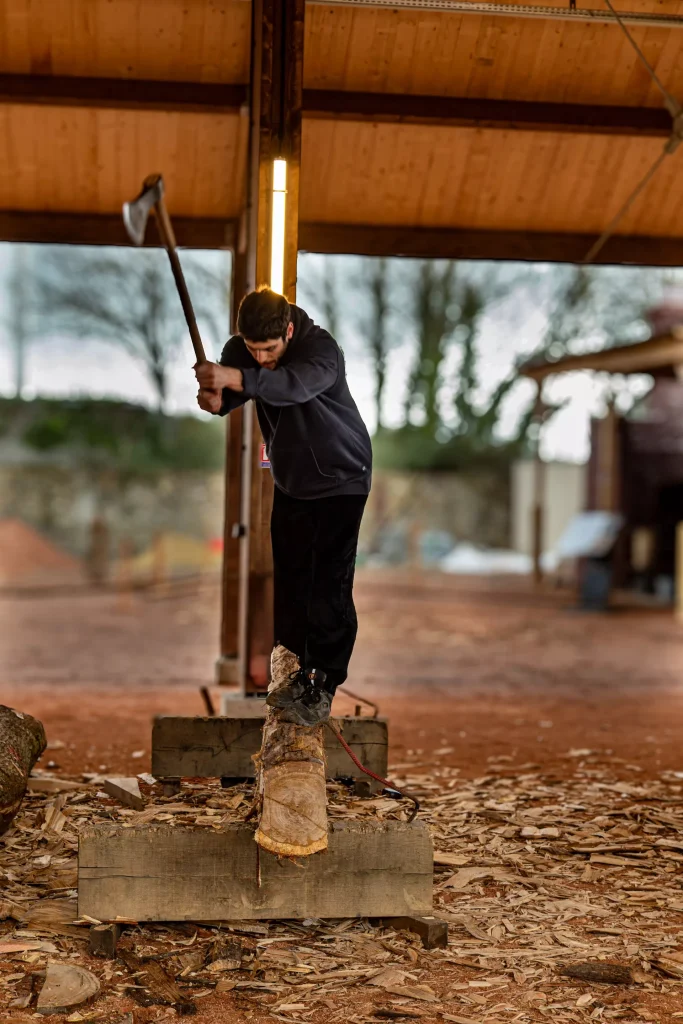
[
  {"x": 485, "y": 667},
  {"x": 469, "y": 672}
]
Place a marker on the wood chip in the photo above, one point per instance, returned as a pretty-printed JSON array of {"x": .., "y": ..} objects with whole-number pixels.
[{"x": 126, "y": 791}]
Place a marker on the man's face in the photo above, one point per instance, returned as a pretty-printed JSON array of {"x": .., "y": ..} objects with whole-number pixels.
[{"x": 269, "y": 353}]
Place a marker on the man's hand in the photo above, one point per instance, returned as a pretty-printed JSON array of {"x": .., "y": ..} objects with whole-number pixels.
[
  {"x": 213, "y": 377},
  {"x": 210, "y": 401}
]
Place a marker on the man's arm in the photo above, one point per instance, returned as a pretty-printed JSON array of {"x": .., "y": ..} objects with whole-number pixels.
[
  {"x": 297, "y": 382},
  {"x": 220, "y": 384}
]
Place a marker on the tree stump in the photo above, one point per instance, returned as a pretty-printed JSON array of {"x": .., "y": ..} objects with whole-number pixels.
[
  {"x": 291, "y": 778},
  {"x": 22, "y": 741}
]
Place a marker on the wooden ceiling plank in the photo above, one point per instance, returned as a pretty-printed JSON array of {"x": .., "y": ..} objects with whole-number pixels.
[
  {"x": 552, "y": 60},
  {"x": 438, "y": 55},
  {"x": 658, "y": 209},
  {"x": 197, "y": 41},
  {"x": 507, "y": 55},
  {"x": 104, "y": 155},
  {"x": 487, "y": 49},
  {"x": 450, "y": 157}
]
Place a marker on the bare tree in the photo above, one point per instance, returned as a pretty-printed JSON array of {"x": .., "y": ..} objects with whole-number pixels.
[
  {"x": 19, "y": 322},
  {"x": 378, "y": 285},
  {"x": 127, "y": 298}
]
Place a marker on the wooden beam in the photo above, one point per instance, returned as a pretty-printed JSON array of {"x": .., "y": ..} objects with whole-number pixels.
[
  {"x": 332, "y": 104},
  {"x": 476, "y": 244},
  {"x": 123, "y": 94},
  {"x": 274, "y": 132},
  {"x": 359, "y": 239},
  {"x": 472, "y": 112},
  {"x": 641, "y": 357},
  {"x": 108, "y": 229},
  {"x": 225, "y": 747},
  {"x": 371, "y": 869}
]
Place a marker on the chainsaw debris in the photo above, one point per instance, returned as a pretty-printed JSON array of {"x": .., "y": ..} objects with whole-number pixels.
[{"x": 563, "y": 898}]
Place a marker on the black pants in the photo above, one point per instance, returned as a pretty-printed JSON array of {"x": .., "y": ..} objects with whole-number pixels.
[{"x": 314, "y": 556}]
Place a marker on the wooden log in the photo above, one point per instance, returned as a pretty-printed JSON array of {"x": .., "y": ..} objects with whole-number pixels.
[
  {"x": 224, "y": 747},
  {"x": 290, "y": 777},
  {"x": 103, "y": 940},
  {"x": 22, "y": 741},
  {"x": 66, "y": 985},
  {"x": 194, "y": 873},
  {"x": 293, "y": 817},
  {"x": 432, "y": 930}
]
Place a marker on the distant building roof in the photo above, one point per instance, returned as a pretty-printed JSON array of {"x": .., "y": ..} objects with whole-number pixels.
[{"x": 654, "y": 355}]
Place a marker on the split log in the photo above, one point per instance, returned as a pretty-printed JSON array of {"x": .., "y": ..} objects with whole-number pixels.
[
  {"x": 66, "y": 985},
  {"x": 291, "y": 778},
  {"x": 22, "y": 741}
]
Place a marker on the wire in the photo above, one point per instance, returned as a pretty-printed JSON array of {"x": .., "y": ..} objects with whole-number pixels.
[
  {"x": 613, "y": 224},
  {"x": 378, "y": 778},
  {"x": 675, "y": 109},
  {"x": 672, "y": 104}
]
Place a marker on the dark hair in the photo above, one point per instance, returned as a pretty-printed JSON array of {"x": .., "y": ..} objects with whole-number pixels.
[{"x": 263, "y": 314}]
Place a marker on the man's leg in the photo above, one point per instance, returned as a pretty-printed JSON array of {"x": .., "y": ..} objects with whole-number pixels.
[
  {"x": 292, "y": 529},
  {"x": 332, "y": 622}
]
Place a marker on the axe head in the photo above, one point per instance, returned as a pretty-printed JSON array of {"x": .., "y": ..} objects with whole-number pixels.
[{"x": 136, "y": 213}]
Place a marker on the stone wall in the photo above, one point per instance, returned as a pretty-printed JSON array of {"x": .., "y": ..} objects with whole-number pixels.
[
  {"x": 472, "y": 507},
  {"x": 62, "y": 503}
]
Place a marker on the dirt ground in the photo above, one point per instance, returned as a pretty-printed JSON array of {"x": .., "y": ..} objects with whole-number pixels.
[
  {"x": 544, "y": 741},
  {"x": 485, "y": 667}
]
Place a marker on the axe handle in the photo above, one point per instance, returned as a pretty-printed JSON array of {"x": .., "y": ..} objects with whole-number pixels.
[{"x": 168, "y": 239}]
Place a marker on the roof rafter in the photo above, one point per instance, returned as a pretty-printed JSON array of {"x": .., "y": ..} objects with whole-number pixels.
[{"x": 384, "y": 108}]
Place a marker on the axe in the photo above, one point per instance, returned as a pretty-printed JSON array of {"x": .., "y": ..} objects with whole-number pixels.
[{"x": 135, "y": 216}]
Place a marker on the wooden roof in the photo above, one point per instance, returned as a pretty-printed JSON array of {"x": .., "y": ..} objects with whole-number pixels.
[
  {"x": 655, "y": 354},
  {"x": 457, "y": 133}
]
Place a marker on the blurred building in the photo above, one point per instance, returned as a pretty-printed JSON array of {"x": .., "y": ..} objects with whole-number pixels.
[{"x": 636, "y": 463}]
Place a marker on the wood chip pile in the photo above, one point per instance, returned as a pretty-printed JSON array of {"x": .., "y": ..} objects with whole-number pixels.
[{"x": 563, "y": 893}]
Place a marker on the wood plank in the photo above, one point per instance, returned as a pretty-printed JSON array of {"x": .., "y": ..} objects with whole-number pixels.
[
  {"x": 122, "y": 93},
  {"x": 103, "y": 155},
  {"x": 164, "y": 40},
  {"x": 225, "y": 747},
  {"x": 379, "y": 869},
  {"x": 394, "y": 173},
  {"x": 447, "y": 53}
]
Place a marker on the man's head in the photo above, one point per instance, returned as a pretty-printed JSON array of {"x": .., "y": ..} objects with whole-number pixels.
[{"x": 264, "y": 321}]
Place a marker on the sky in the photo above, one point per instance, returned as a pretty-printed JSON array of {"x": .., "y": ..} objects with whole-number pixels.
[{"x": 63, "y": 366}]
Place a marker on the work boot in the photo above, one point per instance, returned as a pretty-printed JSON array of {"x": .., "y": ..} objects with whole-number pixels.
[{"x": 302, "y": 699}]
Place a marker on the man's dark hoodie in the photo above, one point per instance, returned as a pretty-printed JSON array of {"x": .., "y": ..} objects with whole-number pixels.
[{"x": 316, "y": 441}]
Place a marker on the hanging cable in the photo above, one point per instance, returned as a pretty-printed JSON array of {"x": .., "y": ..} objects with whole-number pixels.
[
  {"x": 672, "y": 104},
  {"x": 614, "y": 223},
  {"x": 390, "y": 787},
  {"x": 670, "y": 147}
]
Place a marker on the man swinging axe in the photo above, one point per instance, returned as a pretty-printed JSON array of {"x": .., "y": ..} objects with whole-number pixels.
[{"x": 321, "y": 459}]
